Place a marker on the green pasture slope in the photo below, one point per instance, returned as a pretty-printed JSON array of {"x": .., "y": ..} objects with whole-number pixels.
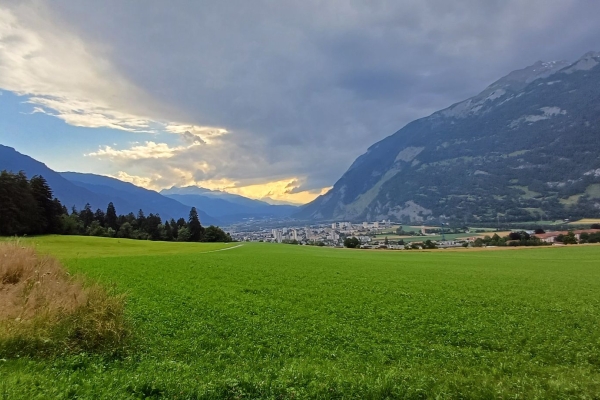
[{"x": 281, "y": 321}]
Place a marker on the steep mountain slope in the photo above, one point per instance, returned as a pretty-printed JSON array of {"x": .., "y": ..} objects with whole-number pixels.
[
  {"x": 128, "y": 195},
  {"x": 525, "y": 148},
  {"x": 227, "y": 207}
]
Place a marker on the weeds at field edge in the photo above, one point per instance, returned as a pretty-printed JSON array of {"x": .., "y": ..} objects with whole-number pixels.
[{"x": 45, "y": 311}]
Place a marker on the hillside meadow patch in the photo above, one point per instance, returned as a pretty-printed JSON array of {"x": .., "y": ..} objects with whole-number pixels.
[{"x": 279, "y": 321}]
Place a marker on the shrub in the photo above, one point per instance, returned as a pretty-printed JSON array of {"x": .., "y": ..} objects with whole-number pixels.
[
  {"x": 429, "y": 245},
  {"x": 352, "y": 243},
  {"x": 569, "y": 238},
  {"x": 44, "y": 310}
]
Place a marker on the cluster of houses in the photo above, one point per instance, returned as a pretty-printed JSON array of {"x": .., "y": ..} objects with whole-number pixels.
[
  {"x": 328, "y": 234},
  {"x": 550, "y": 237},
  {"x": 333, "y": 234}
]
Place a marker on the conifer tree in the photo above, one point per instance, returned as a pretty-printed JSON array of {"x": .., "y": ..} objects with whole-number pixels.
[
  {"x": 111, "y": 216},
  {"x": 100, "y": 217},
  {"x": 87, "y": 215},
  {"x": 194, "y": 226}
]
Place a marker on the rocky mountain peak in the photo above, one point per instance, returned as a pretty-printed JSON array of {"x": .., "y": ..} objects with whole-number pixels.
[
  {"x": 588, "y": 61},
  {"x": 516, "y": 80},
  {"x": 590, "y": 54}
]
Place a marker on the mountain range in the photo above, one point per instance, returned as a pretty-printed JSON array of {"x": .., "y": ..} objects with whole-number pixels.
[
  {"x": 227, "y": 207},
  {"x": 526, "y": 148},
  {"x": 78, "y": 189}
]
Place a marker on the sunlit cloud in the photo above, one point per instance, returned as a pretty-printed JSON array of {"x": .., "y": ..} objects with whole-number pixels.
[
  {"x": 89, "y": 115},
  {"x": 136, "y": 180},
  {"x": 288, "y": 190},
  {"x": 65, "y": 77},
  {"x": 148, "y": 150},
  {"x": 61, "y": 76},
  {"x": 285, "y": 190}
]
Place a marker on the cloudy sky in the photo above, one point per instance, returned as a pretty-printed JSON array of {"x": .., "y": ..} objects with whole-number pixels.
[{"x": 260, "y": 98}]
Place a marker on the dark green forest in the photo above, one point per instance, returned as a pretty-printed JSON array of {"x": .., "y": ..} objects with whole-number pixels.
[{"x": 28, "y": 207}]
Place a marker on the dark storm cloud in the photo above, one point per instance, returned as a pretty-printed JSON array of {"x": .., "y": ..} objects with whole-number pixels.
[
  {"x": 190, "y": 138},
  {"x": 305, "y": 87}
]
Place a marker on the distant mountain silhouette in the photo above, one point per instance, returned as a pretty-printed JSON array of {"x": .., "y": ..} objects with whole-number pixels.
[
  {"x": 226, "y": 206},
  {"x": 126, "y": 197},
  {"x": 214, "y": 194},
  {"x": 132, "y": 194}
]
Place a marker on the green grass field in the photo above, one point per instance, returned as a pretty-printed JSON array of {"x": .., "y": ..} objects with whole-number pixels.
[{"x": 280, "y": 321}]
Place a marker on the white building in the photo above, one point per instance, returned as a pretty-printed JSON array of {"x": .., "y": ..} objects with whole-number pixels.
[{"x": 308, "y": 233}]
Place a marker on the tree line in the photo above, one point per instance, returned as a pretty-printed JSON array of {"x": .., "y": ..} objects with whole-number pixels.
[
  {"x": 28, "y": 207},
  {"x": 513, "y": 239}
]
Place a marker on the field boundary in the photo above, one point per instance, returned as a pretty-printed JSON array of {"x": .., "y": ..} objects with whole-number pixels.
[{"x": 227, "y": 248}]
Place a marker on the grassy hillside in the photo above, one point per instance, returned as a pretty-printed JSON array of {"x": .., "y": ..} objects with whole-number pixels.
[{"x": 279, "y": 321}]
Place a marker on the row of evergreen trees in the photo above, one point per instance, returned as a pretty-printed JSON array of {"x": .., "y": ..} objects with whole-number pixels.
[{"x": 27, "y": 207}]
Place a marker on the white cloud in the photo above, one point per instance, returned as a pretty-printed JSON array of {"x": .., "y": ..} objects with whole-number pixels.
[
  {"x": 87, "y": 114},
  {"x": 60, "y": 73},
  {"x": 136, "y": 180},
  {"x": 73, "y": 80},
  {"x": 148, "y": 150}
]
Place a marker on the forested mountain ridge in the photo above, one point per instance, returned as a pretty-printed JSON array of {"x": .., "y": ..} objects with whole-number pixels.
[
  {"x": 525, "y": 148},
  {"x": 69, "y": 194},
  {"x": 77, "y": 189},
  {"x": 226, "y": 207},
  {"x": 128, "y": 193},
  {"x": 125, "y": 196},
  {"x": 28, "y": 206}
]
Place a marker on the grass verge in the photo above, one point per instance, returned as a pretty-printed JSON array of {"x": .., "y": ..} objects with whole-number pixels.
[{"x": 45, "y": 311}]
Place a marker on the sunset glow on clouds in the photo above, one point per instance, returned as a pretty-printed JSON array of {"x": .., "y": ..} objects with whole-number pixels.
[{"x": 284, "y": 190}]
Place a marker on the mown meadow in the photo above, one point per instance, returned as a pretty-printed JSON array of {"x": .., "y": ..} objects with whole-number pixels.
[{"x": 281, "y": 321}]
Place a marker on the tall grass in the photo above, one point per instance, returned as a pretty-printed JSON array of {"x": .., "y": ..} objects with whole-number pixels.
[{"x": 44, "y": 310}]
